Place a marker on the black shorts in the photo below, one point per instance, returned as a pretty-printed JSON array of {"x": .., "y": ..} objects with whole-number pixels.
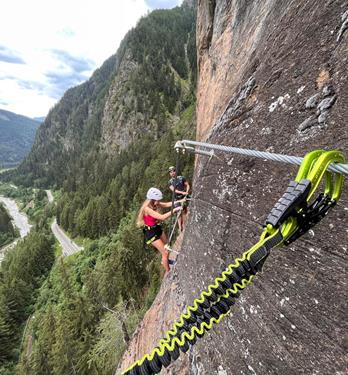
[{"x": 152, "y": 234}]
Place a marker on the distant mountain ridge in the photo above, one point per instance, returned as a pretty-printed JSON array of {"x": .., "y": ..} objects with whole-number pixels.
[{"x": 17, "y": 134}]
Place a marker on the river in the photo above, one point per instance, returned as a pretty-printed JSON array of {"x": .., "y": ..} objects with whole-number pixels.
[{"x": 20, "y": 220}]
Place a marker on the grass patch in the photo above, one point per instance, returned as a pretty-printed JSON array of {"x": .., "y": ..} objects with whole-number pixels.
[
  {"x": 81, "y": 241},
  {"x": 57, "y": 249}
]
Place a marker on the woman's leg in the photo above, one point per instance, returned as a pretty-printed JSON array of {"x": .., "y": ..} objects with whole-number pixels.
[
  {"x": 159, "y": 245},
  {"x": 164, "y": 238}
]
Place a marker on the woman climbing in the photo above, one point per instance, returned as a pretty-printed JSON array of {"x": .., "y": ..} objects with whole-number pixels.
[{"x": 148, "y": 218}]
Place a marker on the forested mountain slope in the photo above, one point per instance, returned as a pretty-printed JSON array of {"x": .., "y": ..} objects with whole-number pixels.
[
  {"x": 139, "y": 91},
  {"x": 17, "y": 134},
  {"x": 103, "y": 145}
]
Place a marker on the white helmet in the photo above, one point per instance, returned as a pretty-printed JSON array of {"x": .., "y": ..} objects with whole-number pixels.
[{"x": 154, "y": 193}]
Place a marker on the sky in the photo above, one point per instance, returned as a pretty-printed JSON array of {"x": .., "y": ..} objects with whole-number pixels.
[{"x": 48, "y": 46}]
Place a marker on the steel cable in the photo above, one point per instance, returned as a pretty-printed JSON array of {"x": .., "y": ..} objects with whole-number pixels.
[{"x": 338, "y": 168}]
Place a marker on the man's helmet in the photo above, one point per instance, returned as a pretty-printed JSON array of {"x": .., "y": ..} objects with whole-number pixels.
[
  {"x": 171, "y": 169},
  {"x": 154, "y": 194}
]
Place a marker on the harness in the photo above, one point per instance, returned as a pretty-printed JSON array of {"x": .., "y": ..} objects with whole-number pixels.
[
  {"x": 292, "y": 216},
  {"x": 149, "y": 228}
]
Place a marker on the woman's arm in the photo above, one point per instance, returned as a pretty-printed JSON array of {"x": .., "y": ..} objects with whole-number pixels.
[
  {"x": 169, "y": 204},
  {"x": 165, "y": 204},
  {"x": 156, "y": 215}
]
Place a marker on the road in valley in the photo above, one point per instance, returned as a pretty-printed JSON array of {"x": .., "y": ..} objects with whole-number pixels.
[{"x": 68, "y": 246}]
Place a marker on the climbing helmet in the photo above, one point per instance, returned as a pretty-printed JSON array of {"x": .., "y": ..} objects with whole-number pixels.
[{"x": 154, "y": 193}]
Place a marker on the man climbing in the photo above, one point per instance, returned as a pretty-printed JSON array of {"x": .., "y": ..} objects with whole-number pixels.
[{"x": 180, "y": 188}]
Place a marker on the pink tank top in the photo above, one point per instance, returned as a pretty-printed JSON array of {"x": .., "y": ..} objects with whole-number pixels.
[{"x": 150, "y": 221}]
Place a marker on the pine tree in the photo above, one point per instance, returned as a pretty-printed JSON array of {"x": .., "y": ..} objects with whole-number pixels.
[{"x": 6, "y": 335}]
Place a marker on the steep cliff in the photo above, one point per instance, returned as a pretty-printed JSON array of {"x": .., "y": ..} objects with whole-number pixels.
[
  {"x": 272, "y": 77},
  {"x": 153, "y": 83}
]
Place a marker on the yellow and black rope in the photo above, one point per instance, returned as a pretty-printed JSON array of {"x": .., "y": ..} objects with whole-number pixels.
[{"x": 292, "y": 216}]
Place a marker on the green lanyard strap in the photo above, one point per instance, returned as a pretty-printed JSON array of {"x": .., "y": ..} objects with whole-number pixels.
[{"x": 292, "y": 216}]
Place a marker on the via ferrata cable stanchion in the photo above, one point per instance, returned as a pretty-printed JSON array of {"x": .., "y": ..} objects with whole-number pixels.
[{"x": 292, "y": 216}]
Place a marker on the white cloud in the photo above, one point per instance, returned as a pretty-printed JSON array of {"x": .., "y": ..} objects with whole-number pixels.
[{"x": 39, "y": 31}]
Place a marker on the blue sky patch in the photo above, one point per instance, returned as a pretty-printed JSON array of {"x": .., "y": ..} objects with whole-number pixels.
[
  {"x": 6, "y": 55},
  {"x": 77, "y": 64},
  {"x": 60, "y": 82}
]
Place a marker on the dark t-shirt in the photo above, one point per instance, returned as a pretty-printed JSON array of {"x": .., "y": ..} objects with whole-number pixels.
[{"x": 179, "y": 184}]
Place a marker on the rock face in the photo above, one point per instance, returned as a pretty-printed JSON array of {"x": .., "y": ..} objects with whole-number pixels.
[
  {"x": 115, "y": 135},
  {"x": 156, "y": 322},
  {"x": 272, "y": 77}
]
